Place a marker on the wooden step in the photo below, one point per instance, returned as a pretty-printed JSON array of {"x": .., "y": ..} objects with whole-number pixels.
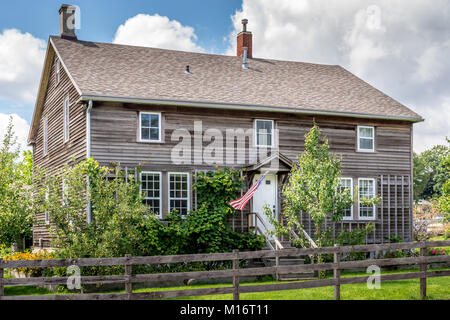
[
  {"x": 271, "y": 262},
  {"x": 296, "y": 277}
]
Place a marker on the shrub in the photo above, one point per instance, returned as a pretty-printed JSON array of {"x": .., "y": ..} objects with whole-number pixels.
[
  {"x": 31, "y": 272},
  {"x": 4, "y": 251},
  {"x": 435, "y": 252},
  {"x": 118, "y": 213},
  {"x": 207, "y": 229},
  {"x": 16, "y": 210},
  {"x": 122, "y": 224}
]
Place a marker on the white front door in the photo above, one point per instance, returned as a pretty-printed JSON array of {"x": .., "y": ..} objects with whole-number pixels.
[{"x": 265, "y": 195}]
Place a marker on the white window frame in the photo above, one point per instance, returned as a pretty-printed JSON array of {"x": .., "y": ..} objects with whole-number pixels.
[
  {"x": 57, "y": 72},
  {"x": 160, "y": 190},
  {"x": 66, "y": 119},
  {"x": 46, "y": 213},
  {"x": 64, "y": 191},
  {"x": 159, "y": 124},
  {"x": 359, "y": 139},
  {"x": 351, "y": 192},
  {"x": 188, "y": 190},
  {"x": 45, "y": 136},
  {"x": 374, "y": 217},
  {"x": 272, "y": 134}
]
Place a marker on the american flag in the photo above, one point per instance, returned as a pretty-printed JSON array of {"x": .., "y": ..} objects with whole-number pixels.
[{"x": 240, "y": 203}]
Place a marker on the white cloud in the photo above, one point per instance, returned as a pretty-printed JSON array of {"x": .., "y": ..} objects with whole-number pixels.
[
  {"x": 21, "y": 60},
  {"x": 20, "y": 127},
  {"x": 400, "y": 47},
  {"x": 157, "y": 31}
]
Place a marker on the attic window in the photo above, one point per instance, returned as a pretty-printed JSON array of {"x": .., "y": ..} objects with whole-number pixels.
[
  {"x": 366, "y": 139},
  {"x": 264, "y": 133},
  {"x": 150, "y": 127},
  {"x": 57, "y": 72}
]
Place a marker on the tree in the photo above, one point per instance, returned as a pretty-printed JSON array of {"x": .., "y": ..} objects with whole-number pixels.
[
  {"x": 314, "y": 188},
  {"x": 16, "y": 211},
  {"x": 444, "y": 200},
  {"x": 118, "y": 213},
  {"x": 432, "y": 160},
  {"x": 421, "y": 177}
]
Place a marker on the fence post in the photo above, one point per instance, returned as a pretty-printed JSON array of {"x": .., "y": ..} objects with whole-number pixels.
[
  {"x": 2, "y": 290},
  {"x": 236, "y": 277},
  {"x": 128, "y": 284},
  {"x": 337, "y": 274},
  {"x": 423, "y": 278}
]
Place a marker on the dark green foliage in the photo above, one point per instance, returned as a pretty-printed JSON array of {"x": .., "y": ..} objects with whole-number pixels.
[
  {"x": 207, "y": 229},
  {"x": 16, "y": 210},
  {"x": 430, "y": 173},
  {"x": 122, "y": 224}
]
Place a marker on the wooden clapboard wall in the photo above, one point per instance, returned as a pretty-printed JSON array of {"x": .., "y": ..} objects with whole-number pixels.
[
  {"x": 59, "y": 153},
  {"x": 115, "y": 131},
  {"x": 114, "y": 138},
  {"x": 394, "y": 213}
]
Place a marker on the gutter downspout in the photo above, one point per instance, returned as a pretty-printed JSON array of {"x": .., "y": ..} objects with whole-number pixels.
[{"x": 88, "y": 154}]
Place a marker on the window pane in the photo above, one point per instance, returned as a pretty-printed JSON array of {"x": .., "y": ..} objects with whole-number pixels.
[
  {"x": 154, "y": 134},
  {"x": 264, "y": 133},
  {"x": 145, "y": 134},
  {"x": 269, "y": 140},
  {"x": 145, "y": 120},
  {"x": 366, "y": 144},
  {"x": 366, "y": 190},
  {"x": 150, "y": 184},
  {"x": 154, "y": 121},
  {"x": 346, "y": 184},
  {"x": 366, "y": 132},
  {"x": 179, "y": 195}
]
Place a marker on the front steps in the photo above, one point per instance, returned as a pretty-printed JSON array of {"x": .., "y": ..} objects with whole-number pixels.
[{"x": 289, "y": 261}]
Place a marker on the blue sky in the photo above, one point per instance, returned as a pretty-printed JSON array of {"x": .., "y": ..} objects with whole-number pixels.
[
  {"x": 400, "y": 47},
  {"x": 101, "y": 18}
]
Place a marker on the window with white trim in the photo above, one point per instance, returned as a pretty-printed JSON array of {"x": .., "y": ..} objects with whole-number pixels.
[
  {"x": 366, "y": 190},
  {"x": 66, "y": 119},
  {"x": 347, "y": 183},
  {"x": 57, "y": 71},
  {"x": 47, "y": 214},
  {"x": 366, "y": 139},
  {"x": 151, "y": 188},
  {"x": 179, "y": 193},
  {"x": 65, "y": 192},
  {"x": 45, "y": 136},
  {"x": 149, "y": 127},
  {"x": 264, "y": 133}
]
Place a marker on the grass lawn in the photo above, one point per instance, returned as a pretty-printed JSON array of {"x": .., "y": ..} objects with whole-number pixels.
[{"x": 437, "y": 289}]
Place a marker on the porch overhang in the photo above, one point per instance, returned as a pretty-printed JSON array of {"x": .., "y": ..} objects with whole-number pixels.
[{"x": 275, "y": 163}]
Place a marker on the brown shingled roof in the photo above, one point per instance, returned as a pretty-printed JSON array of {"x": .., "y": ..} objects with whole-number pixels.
[{"x": 119, "y": 71}]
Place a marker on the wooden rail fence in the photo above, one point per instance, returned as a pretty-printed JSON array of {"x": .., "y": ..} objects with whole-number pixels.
[{"x": 235, "y": 273}]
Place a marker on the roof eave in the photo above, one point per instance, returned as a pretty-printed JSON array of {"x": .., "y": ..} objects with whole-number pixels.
[{"x": 233, "y": 106}]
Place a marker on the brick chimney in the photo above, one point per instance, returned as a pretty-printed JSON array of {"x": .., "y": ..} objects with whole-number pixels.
[
  {"x": 67, "y": 21},
  {"x": 244, "y": 40}
]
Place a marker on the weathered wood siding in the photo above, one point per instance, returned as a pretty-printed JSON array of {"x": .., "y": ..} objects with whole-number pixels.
[
  {"x": 115, "y": 129},
  {"x": 59, "y": 152},
  {"x": 115, "y": 139}
]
